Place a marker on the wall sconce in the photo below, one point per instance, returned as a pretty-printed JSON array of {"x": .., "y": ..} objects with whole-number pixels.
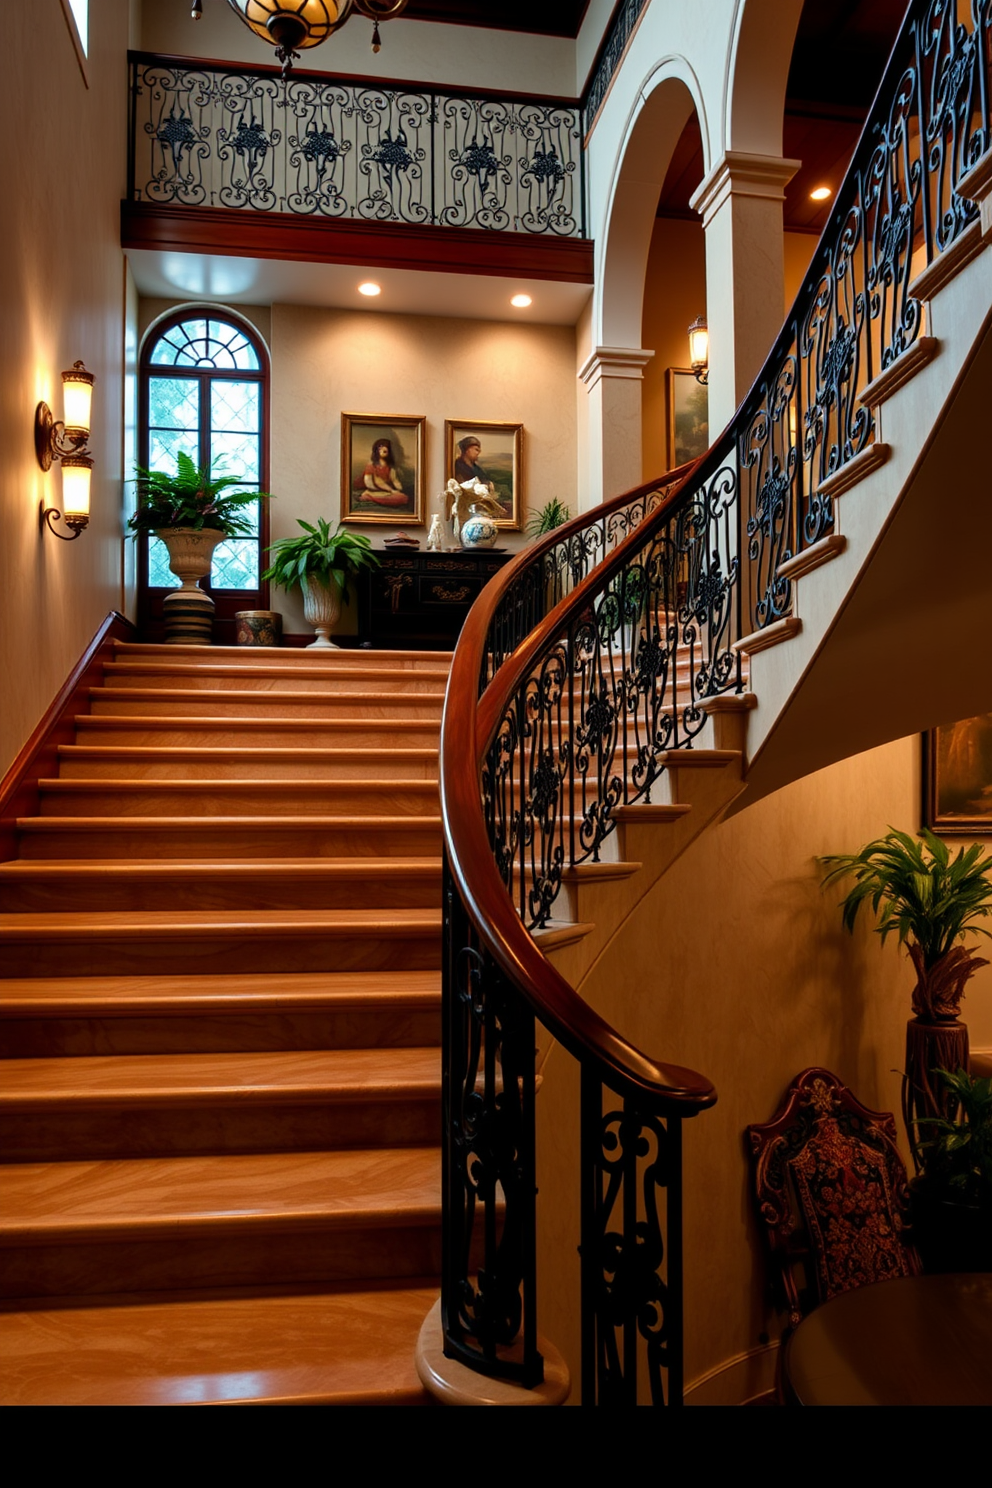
[
  {"x": 699, "y": 349},
  {"x": 66, "y": 441}
]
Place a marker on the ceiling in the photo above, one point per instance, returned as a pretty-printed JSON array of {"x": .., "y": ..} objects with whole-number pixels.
[
  {"x": 545, "y": 18},
  {"x": 837, "y": 62}
]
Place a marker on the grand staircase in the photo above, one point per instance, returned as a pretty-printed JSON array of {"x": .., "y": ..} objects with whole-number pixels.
[{"x": 220, "y": 1022}]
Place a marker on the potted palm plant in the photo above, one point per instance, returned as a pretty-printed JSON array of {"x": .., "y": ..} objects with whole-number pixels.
[
  {"x": 931, "y": 901},
  {"x": 192, "y": 510},
  {"x": 952, "y": 1197},
  {"x": 320, "y": 563}
]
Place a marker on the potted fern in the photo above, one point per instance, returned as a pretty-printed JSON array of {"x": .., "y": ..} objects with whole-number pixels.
[
  {"x": 931, "y": 901},
  {"x": 192, "y": 510},
  {"x": 952, "y": 1197},
  {"x": 320, "y": 563}
]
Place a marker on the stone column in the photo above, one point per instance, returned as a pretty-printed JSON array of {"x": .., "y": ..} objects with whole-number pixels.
[
  {"x": 740, "y": 202},
  {"x": 612, "y": 376}
]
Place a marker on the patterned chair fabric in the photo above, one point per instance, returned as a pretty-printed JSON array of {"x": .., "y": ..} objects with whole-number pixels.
[{"x": 832, "y": 1193}]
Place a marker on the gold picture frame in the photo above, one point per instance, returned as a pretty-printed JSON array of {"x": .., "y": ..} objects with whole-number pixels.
[
  {"x": 383, "y": 485},
  {"x": 957, "y": 778},
  {"x": 500, "y": 449},
  {"x": 688, "y": 416}
]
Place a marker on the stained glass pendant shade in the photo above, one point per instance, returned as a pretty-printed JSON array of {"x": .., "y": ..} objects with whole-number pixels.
[{"x": 294, "y": 25}]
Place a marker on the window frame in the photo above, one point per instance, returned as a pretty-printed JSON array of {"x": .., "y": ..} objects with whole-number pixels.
[{"x": 227, "y": 601}]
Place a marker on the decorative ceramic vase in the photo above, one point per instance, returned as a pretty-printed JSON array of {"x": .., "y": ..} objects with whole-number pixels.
[
  {"x": 479, "y": 530},
  {"x": 321, "y": 609},
  {"x": 258, "y": 627},
  {"x": 188, "y": 612}
]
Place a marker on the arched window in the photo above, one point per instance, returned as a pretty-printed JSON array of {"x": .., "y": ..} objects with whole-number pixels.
[{"x": 204, "y": 379}]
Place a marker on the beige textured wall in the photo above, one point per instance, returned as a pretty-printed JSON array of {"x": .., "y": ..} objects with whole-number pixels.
[
  {"x": 63, "y": 298},
  {"x": 325, "y": 362},
  {"x": 737, "y": 965}
]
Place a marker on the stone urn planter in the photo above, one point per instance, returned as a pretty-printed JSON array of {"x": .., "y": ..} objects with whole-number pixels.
[
  {"x": 187, "y": 611},
  {"x": 322, "y": 610}
]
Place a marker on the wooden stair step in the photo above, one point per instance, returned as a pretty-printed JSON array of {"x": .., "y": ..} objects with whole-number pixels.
[
  {"x": 330, "y": 1346},
  {"x": 100, "y": 761},
  {"x": 265, "y": 677},
  {"x": 227, "y": 837},
  {"x": 275, "y": 941},
  {"x": 125, "y": 797},
  {"x": 44, "y": 885},
  {"x": 190, "y": 703},
  {"x": 49, "y": 1017},
  {"x": 296, "y": 733},
  {"x": 320, "y": 662},
  {"x": 141, "y": 1106},
  {"x": 137, "y": 1225}
]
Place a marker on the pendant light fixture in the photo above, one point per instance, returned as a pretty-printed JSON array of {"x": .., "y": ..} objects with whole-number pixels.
[{"x": 291, "y": 26}]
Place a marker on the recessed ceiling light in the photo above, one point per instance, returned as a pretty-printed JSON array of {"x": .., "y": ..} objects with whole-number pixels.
[
  {"x": 521, "y": 301},
  {"x": 821, "y": 193},
  {"x": 368, "y": 288}
]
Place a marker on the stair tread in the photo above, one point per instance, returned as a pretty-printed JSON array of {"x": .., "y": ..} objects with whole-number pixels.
[
  {"x": 332, "y": 1075},
  {"x": 262, "y": 697},
  {"x": 297, "y": 921},
  {"x": 58, "y": 1202},
  {"x": 365, "y": 822},
  {"x": 51, "y": 996},
  {"x": 327, "y": 1346},
  {"x": 230, "y": 867},
  {"x": 291, "y": 655}
]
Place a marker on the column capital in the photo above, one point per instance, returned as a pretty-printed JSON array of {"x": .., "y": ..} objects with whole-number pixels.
[
  {"x": 740, "y": 173},
  {"x": 614, "y": 361}
]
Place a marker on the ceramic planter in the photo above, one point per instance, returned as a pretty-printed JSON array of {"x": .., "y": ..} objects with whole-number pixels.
[
  {"x": 188, "y": 612},
  {"x": 322, "y": 610}
]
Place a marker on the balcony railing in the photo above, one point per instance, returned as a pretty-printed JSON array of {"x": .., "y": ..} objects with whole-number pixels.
[
  {"x": 210, "y": 135},
  {"x": 604, "y": 648}
]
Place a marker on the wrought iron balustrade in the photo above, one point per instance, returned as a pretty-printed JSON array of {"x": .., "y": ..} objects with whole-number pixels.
[
  {"x": 206, "y": 135},
  {"x": 589, "y": 659}
]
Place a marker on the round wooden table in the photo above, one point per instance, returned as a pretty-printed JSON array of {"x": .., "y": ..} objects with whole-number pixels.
[{"x": 920, "y": 1340}]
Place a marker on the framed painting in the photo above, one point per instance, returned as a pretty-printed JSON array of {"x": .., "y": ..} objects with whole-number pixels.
[
  {"x": 688, "y": 417},
  {"x": 957, "y": 778},
  {"x": 490, "y": 452},
  {"x": 382, "y": 468}
]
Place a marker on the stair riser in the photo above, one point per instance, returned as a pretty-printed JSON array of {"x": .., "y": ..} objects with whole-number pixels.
[
  {"x": 221, "y": 891},
  {"x": 130, "y": 1130},
  {"x": 375, "y": 737},
  {"x": 323, "y": 799},
  {"x": 293, "y": 679},
  {"x": 257, "y": 952},
  {"x": 152, "y": 842},
  {"x": 180, "y": 1261},
  {"x": 135, "y": 764},
  {"x": 357, "y": 1028},
  {"x": 263, "y": 705}
]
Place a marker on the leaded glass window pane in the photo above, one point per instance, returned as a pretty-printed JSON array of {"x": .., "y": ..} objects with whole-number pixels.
[
  {"x": 160, "y": 575},
  {"x": 235, "y": 563},
  {"x": 211, "y": 344}
]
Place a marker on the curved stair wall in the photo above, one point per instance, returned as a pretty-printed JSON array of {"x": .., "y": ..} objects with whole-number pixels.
[{"x": 618, "y": 662}]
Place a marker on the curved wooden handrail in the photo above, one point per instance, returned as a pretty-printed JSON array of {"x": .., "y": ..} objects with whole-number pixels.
[{"x": 468, "y": 728}]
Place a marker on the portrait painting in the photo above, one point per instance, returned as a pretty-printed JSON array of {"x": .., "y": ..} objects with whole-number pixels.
[
  {"x": 957, "y": 778},
  {"x": 382, "y": 468},
  {"x": 490, "y": 453},
  {"x": 688, "y": 417}
]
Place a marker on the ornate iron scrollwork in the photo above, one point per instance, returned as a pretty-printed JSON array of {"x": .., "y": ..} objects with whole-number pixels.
[{"x": 354, "y": 150}]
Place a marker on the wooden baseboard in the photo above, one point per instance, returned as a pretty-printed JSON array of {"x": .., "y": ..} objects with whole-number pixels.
[{"x": 39, "y": 757}]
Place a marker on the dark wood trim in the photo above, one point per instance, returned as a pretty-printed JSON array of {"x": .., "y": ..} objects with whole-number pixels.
[
  {"x": 390, "y": 245},
  {"x": 39, "y": 758}
]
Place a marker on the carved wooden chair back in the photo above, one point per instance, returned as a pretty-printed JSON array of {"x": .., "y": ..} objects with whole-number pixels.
[{"x": 832, "y": 1193}]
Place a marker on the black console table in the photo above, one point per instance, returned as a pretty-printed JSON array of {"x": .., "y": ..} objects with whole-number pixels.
[{"x": 417, "y": 601}]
